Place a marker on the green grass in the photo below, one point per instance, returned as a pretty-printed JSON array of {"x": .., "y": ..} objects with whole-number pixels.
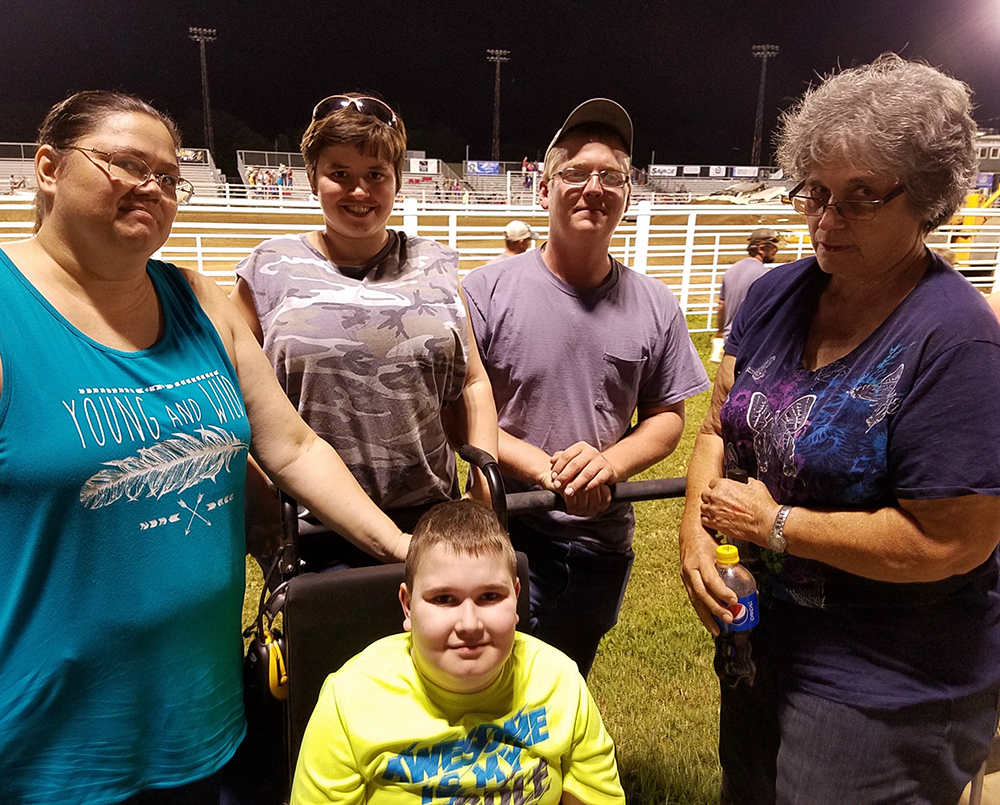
[{"x": 653, "y": 678}]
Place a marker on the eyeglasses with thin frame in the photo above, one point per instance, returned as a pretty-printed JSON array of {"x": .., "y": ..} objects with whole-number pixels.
[
  {"x": 372, "y": 107},
  {"x": 129, "y": 168},
  {"x": 813, "y": 207},
  {"x": 579, "y": 176}
]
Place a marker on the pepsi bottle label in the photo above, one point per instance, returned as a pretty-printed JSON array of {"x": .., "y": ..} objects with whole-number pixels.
[{"x": 745, "y": 615}]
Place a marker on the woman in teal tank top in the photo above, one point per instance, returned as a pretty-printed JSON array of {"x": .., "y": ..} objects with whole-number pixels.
[{"x": 129, "y": 390}]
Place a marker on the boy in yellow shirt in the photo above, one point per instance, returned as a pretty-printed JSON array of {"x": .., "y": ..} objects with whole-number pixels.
[{"x": 459, "y": 708}]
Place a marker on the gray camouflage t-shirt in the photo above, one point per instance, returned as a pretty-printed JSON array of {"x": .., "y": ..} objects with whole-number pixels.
[{"x": 369, "y": 360}]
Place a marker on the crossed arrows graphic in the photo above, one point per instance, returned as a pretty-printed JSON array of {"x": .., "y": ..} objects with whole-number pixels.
[{"x": 194, "y": 512}]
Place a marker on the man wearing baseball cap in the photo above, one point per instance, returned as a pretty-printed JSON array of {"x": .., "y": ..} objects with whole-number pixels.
[
  {"x": 575, "y": 343},
  {"x": 762, "y": 246},
  {"x": 517, "y": 237}
]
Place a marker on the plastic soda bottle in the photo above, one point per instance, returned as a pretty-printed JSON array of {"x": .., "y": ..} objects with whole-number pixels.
[{"x": 733, "y": 662}]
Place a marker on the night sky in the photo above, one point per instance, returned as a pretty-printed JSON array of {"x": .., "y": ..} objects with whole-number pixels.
[{"x": 684, "y": 70}]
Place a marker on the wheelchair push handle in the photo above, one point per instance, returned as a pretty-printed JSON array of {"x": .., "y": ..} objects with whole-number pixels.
[
  {"x": 494, "y": 480},
  {"x": 289, "y": 552},
  {"x": 625, "y": 492}
]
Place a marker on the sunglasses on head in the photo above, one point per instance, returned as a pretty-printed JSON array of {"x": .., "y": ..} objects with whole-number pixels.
[{"x": 372, "y": 107}]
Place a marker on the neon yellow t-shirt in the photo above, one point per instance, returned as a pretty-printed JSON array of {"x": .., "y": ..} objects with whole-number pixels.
[{"x": 382, "y": 734}]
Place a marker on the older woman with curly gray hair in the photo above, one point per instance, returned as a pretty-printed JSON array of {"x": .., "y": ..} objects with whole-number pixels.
[{"x": 860, "y": 390}]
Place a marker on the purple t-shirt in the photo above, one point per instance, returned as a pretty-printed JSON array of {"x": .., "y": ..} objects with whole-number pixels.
[
  {"x": 571, "y": 365},
  {"x": 911, "y": 413},
  {"x": 735, "y": 284}
]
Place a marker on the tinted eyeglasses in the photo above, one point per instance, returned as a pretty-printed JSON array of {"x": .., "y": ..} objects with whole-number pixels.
[
  {"x": 372, "y": 107},
  {"x": 130, "y": 169},
  {"x": 815, "y": 206},
  {"x": 579, "y": 176}
]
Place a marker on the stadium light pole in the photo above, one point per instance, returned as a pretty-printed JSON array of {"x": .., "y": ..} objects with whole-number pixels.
[
  {"x": 498, "y": 57},
  {"x": 762, "y": 52},
  {"x": 201, "y": 36}
]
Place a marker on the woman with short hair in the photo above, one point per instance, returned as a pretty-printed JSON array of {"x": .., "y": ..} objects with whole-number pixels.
[
  {"x": 861, "y": 391},
  {"x": 368, "y": 333}
]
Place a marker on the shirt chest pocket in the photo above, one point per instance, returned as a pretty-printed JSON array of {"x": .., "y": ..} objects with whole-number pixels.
[{"x": 619, "y": 389}]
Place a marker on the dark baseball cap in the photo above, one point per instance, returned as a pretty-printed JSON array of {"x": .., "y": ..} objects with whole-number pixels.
[{"x": 598, "y": 110}]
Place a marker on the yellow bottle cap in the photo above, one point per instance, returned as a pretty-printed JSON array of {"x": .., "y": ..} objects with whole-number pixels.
[{"x": 727, "y": 555}]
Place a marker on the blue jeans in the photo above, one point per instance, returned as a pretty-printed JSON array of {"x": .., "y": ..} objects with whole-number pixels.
[
  {"x": 576, "y": 591},
  {"x": 780, "y": 745}
]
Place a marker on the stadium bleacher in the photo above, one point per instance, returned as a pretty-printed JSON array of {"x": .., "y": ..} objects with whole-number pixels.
[{"x": 17, "y": 161}]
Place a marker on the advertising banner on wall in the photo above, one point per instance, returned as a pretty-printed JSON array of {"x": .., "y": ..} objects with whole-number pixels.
[
  {"x": 662, "y": 170},
  {"x": 192, "y": 155},
  {"x": 745, "y": 171},
  {"x": 691, "y": 170},
  {"x": 484, "y": 168},
  {"x": 716, "y": 171},
  {"x": 424, "y": 166}
]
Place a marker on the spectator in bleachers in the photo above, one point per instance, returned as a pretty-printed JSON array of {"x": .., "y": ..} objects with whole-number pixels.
[{"x": 368, "y": 333}]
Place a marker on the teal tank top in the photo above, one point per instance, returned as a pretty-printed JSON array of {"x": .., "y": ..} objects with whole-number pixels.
[{"x": 121, "y": 531}]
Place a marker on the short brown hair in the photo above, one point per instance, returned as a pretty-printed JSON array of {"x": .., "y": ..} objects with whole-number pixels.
[
  {"x": 467, "y": 527},
  {"x": 348, "y": 126},
  {"x": 78, "y": 115}
]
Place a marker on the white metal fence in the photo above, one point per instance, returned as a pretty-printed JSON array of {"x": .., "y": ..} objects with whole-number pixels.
[{"x": 688, "y": 246}]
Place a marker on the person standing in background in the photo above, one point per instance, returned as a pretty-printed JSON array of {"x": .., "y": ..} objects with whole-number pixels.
[
  {"x": 518, "y": 237},
  {"x": 762, "y": 247}
]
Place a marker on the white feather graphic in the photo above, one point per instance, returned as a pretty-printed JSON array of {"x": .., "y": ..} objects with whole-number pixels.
[{"x": 172, "y": 465}]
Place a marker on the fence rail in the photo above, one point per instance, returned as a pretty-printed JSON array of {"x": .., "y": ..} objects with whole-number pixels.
[{"x": 687, "y": 246}]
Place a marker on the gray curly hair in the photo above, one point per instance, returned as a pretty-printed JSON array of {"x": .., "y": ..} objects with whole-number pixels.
[{"x": 892, "y": 116}]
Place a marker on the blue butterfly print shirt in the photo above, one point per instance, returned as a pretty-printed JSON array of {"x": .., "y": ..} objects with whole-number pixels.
[{"x": 897, "y": 417}]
